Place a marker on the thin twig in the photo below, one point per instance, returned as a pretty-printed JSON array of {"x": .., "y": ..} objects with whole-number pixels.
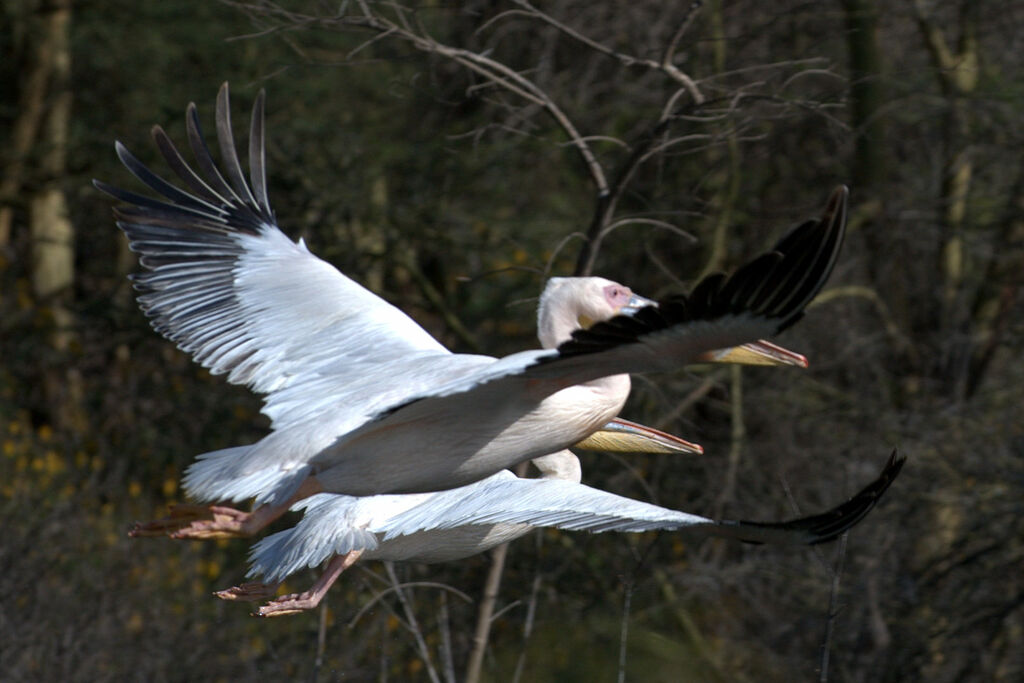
[
  {"x": 446, "y": 640},
  {"x": 833, "y": 610},
  {"x": 531, "y": 612},
  {"x": 483, "y": 619},
  {"x": 665, "y": 65},
  {"x": 412, "y": 584},
  {"x": 636, "y": 220},
  {"x": 558, "y": 248},
  {"x": 684, "y": 25},
  {"x": 607, "y": 201},
  {"x": 627, "y": 600},
  {"x": 698, "y": 393},
  {"x": 507, "y": 608},
  {"x": 436, "y": 299},
  {"x": 321, "y": 641},
  {"x": 864, "y": 292},
  {"x": 738, "y": 433},
  {"x": 414, "y": 627},
  {"x": 485, "y": 614},
  {"x": 384, "y": 640},
  {"x": 634, "y": 471},
  {"x": 703, "y": 649}
]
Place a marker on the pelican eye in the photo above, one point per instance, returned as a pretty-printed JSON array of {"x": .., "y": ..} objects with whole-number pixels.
[{"x": 617, "y": 296}]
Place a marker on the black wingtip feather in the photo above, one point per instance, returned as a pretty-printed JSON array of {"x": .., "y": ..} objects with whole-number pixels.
[
  {"x": 257, "y": 155},
  {"x": 228, "y": 153},
  {"x": 203, "y": 156},
  {"x": 810, "y": 261},
  {"x": 829, "y": 525},
  {"x": 208, "y": 202},
  {"x": 181, "y": 168}
]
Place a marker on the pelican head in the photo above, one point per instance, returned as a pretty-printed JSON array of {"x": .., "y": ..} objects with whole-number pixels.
[{"x": 571, "y": 303}]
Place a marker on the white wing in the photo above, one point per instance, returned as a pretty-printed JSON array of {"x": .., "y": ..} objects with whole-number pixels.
[
  {"x": 334, "y": 524},
  {"x": 567, "y": 505},
  {"x": 227, "y": 286}
]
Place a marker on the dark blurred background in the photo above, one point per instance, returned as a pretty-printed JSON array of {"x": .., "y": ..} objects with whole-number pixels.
[{"x": 419, "y": 148}]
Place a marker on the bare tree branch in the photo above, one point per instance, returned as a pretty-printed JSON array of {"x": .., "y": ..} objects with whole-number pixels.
[
  {"x": 444, "y": 627},
  {"x": 627, "y": 599},
  {"x": 412, "y": 584},
  {"x": 664, "y": 65},
  {"x": 414, "y": 627},
  {"x": 531, "y": 612},
  {"x": 833, "y": 609},
  {"x": 483, "y": 619}
]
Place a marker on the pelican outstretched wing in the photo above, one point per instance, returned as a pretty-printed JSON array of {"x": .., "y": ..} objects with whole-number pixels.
[
  {"x": 759, "y": 300},
  {"x": 228, "y": 287},
  {"x": 566, "y": 505},
  {"x": 335, "y": 524}
]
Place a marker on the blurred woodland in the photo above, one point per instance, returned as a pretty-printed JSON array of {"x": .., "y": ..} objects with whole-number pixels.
[{"x": 453, "y": 156}]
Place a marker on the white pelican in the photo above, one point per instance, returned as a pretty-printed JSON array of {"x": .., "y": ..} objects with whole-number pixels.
[
  {"x": 454, "y": 524},
  {"x": 362, "y": 400}
]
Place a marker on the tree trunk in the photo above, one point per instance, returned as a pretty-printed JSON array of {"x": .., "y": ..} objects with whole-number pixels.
[
  {"x": 957, "y": 72},
  {"x": 50, "y": 228},
  {"x": 866, "y": 92},
  {"x": 43, "y": 35}
]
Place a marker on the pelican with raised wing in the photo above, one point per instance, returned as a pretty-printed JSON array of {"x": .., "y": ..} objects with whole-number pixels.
[
  {"x": 454, "y": 524},
  {"x": 362, "y": 400}
]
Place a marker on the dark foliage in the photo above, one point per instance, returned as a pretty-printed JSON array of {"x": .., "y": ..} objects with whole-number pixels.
[{"x": 455, "y": 197}]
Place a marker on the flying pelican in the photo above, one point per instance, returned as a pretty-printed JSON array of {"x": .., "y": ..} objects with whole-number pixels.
[
  {"x": 457, "y": 523},
  {"x": 362, "y": 400}
]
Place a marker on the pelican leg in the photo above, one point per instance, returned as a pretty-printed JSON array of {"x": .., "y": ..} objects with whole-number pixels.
[
  {"x": 301, "y": 602},
  {"x": 180, "y": 516},
  {"x": 207, "y": 521},
  {"x": 231, "y": 523},
  {"x": 199, "y": 522},
  {"x": 249, "y": 592}
]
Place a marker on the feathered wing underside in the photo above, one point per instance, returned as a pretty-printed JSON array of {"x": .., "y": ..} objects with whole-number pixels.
[
  {"x": 331, "y": 525},
  {"x": 565, "y": 505},
  {"x": 823, "y": 527},
  {"x": 227, "y": 286}
]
